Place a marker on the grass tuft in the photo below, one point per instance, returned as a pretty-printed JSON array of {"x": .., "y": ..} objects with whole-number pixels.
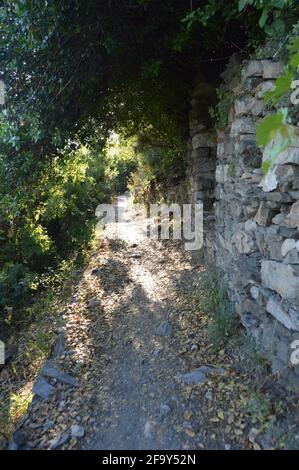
[{"x": 213, "y": 299}]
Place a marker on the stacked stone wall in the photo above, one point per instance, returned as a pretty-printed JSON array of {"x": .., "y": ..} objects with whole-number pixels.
[{"x": 251, "y": 220}]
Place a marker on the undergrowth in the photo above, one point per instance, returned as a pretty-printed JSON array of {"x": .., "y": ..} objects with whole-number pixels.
[
  {"x": 214, "y": 300},
  {"x": 35, "y": 338}
]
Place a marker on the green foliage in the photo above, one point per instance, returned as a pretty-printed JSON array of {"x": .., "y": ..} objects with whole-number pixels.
[
  {"x": 282, "y": 86},
  {"x": 232, "y": 169},
  {"x": 276, "y": 131},
  {"x": 258, "y": 358},
  {"x": 72, "y": 75},
  {"x": 269, "y": 126},
  {"x": 274, "y": 14},
  {"x": 16, "y": 283},
  {"x": 223, "y": 326},
  {"x": 220, "y": 112},
  {"x": 205, "y": 13},
  {"x": 159, "y": 164},
  {"x": 46, "y": 217},
  {"x": 121, "y": 160},
  {"x": 259, "y": 406},
  {"x": 74, "y": 72},
  {"x": 213, "y": 299}
]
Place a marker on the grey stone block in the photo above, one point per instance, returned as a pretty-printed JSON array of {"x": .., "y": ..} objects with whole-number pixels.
[{"x": 42, "y": 388}]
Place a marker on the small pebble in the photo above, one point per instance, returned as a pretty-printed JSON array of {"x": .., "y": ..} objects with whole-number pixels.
[
  {"x": 77, "y": 431},
  {"x": 165, "y": 409}
]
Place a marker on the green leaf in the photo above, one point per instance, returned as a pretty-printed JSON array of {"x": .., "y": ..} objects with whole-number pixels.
[
  {"x": 244, "y": 3},
  {"x": 274, "y": 132},
  {"x": 294, "y": 46},
  {"x": 277, "y": 27},
  {"x": 266, "y": 166},
  {"x": 266, "y": 128},
  {"x": 282, "y": 86},
  {"x": 263, "y": 18},
  {"x": 294, "y": 62}
]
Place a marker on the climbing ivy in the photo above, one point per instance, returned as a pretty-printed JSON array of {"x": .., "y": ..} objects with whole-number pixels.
[
  {"x": 276, "y": 131},
  {"x": 274, "y": 14},
  {"x": 220, "y": 112}
]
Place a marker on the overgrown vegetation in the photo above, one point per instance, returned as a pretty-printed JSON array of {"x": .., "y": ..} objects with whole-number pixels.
[
  {"x": 220, "y": 112},
  {"x": 36, "y": 338},
  {"x": 96, "y": 95},
  {"x": 48, "y": 216},
  {"x": 279, "y": 130},
  {"x": 213, "y": 299},
  {"x": 160, "y": 167},
  {"x": 75, "y": 72}
]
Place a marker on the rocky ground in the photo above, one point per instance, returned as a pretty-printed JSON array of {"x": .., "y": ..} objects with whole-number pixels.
[{"x": 133, "y": 367}]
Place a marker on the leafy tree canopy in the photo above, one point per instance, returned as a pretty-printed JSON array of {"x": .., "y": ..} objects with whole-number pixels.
[
  {"x": 69, "y": 65},
  {"x": 75, "y": 70}
]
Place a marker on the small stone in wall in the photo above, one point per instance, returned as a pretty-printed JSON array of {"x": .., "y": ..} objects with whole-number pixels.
[
  {"x": 286, "y": 177},
  {"x": 263, "y": 88},
  {"x": 222, "y": 174},
  {"x": 291, "y": 219},
  {"x": 251, "y": 177},
  {"x": 250, "y": 226},
  {"x": 245, "y": 106},
  {"x": 281, "y": 278},
  {"x": 250, "y": 209},
  {"x": 243, "y": 126},
  {"x": 289, "y": 155},
  {"x": 245, "y": 243},
  {"x": 292, "y": 257},
  {"x": 271, "y": 69},
  {"x": 207, "y": 139},
  {"x": 294, "y": 315},
  {"x": 276, "y": 309},
  {"x": 289, "y": 245},
  {"x": 253, "y": 68},
  {"x": 257, "y": 294},
  {"x": 264, "y": 215},
  {"x": 269, "y": 181}
]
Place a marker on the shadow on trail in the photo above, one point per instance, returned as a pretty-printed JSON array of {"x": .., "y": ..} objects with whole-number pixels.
[{"x": 137, "y": 367}]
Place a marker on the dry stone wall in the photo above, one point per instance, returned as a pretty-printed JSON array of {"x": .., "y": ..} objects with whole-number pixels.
[{"x": 251, "y": 221}]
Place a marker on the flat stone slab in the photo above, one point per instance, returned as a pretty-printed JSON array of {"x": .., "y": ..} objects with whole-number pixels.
[
  {"x": 212, "y": 370},
  {"x": 199, "y": 375},
  {"x": 194, "y": 377},
  {"x": 59, "y": 441},
  {"x": 42, "y": 388},
  {"x": 59, "y": 348},
  {"x": 51, "y": 371},
  {"x": 165, "y": 329}
]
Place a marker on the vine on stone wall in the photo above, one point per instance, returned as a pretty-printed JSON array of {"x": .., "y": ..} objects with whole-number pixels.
[{"x": 278, "y": 131}]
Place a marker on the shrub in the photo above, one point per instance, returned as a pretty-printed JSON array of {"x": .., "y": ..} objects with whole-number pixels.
[
  {"x": 213, "y": 299},
  {"x": 16, "y": 282}
]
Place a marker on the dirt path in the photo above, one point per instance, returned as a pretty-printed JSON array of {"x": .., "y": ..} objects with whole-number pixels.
[
  {"x": 130, "y": 333},
  {"x": 139, "y": 401}
]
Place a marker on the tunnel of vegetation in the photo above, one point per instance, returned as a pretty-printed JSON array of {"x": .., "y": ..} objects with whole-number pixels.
[{"x": 79, "y": 73}]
